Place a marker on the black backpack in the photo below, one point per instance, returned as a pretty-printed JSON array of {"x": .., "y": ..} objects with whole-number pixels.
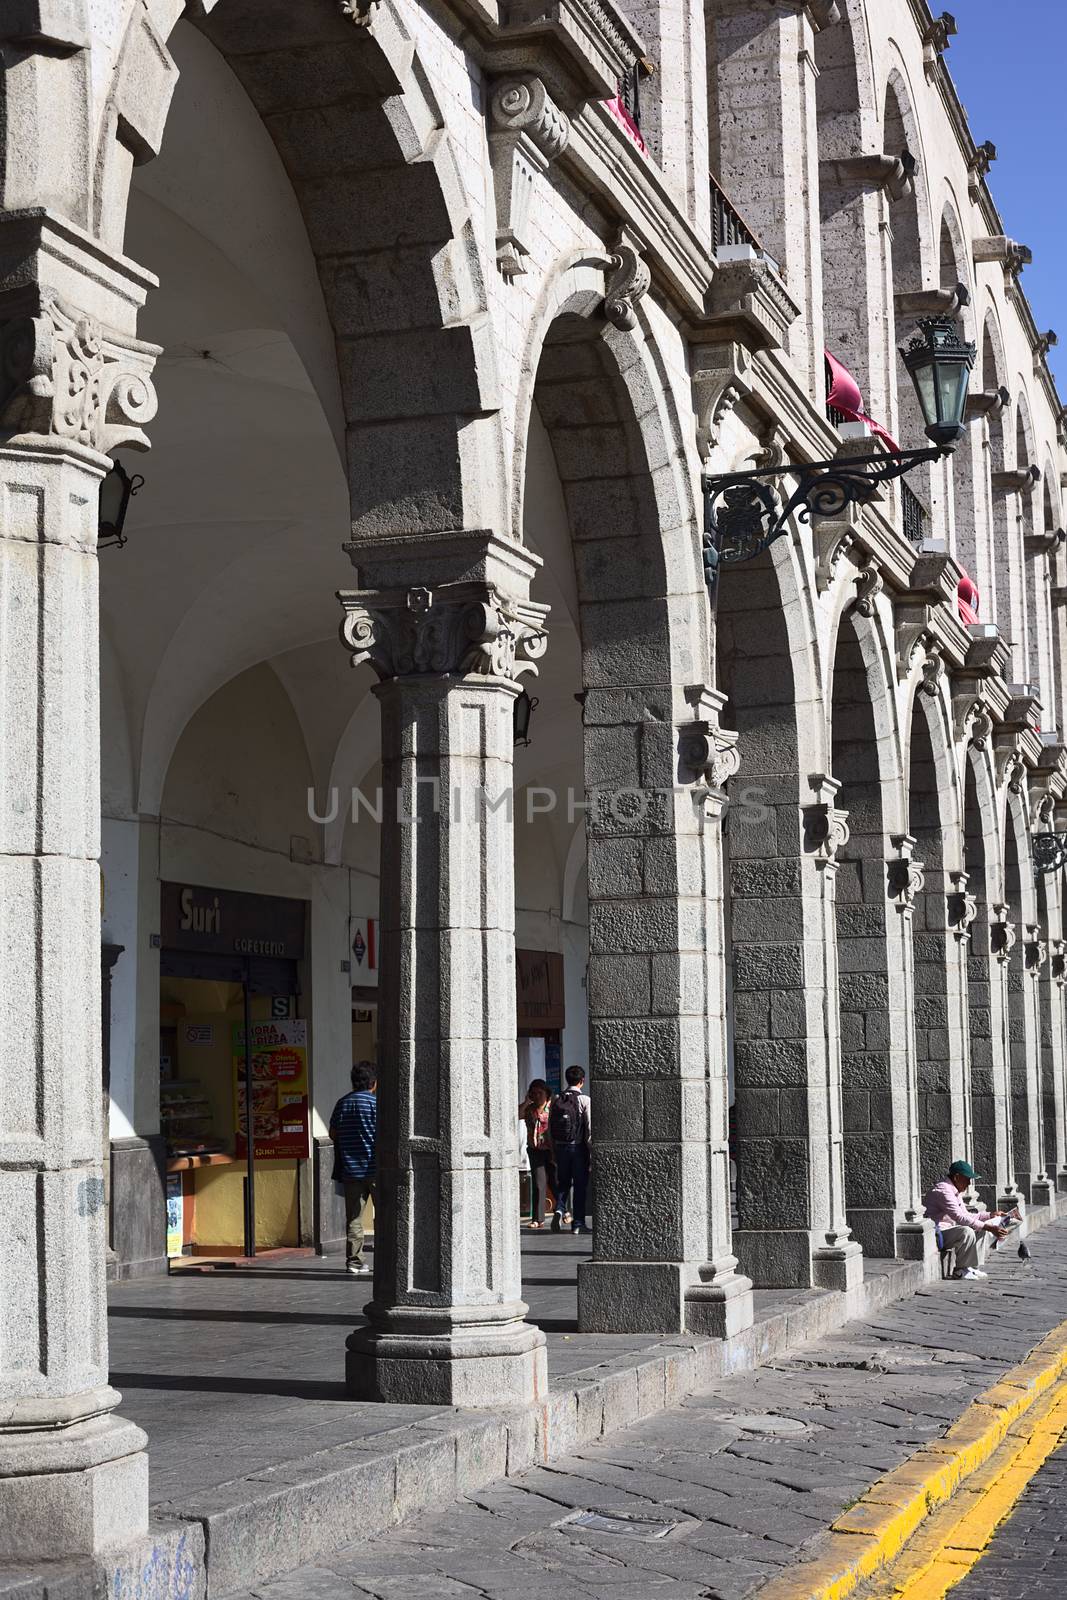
[{"x": 565, "y": 1118}]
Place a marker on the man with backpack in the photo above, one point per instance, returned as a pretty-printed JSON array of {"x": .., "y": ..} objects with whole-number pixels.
[{"x": 569, "y": 1131}]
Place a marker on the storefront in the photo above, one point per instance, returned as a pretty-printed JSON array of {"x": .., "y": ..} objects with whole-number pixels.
[{"x": 233, "y": 1031}]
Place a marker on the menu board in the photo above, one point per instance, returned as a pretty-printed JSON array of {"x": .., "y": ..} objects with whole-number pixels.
[{"x": 279, "y": 1090}]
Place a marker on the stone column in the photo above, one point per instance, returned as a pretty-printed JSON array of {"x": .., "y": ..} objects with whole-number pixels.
[
  {"x": 1000, "y": 1184},
  {"x": 447, "y": 1322},
  {"x": 906, "y": 880},
  {"x": 1035, "y": 961},
  {"x": 791, "y": 1187},
  {"x": 764, "y": 144},
  {"x": 73, "y": 1474},
  {"x": 656, "y": 761},
  {"x": 942, "y": 1055},
  {"x": 1056, "y": 1007}
]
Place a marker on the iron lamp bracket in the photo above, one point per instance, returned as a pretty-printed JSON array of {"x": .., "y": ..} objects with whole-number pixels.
[{"x": 744, "y": 512}]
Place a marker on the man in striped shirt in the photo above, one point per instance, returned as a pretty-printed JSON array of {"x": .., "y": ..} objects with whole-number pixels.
[{"x": 353, "y": 1129}]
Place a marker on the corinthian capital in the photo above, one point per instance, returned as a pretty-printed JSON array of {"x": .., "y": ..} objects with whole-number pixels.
[
  {"x": 456, "y": 630},
  {"x": 63, "y": 377}
]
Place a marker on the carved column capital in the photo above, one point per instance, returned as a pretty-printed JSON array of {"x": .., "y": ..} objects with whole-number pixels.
[
  {"x": 825, "y": 824},
  {"x": 1035, "y": 949},
  {"x": 455, "y": 630},
  {"x": 905, "y": 877},
  {"x": 1002, "y": 933},
  {"x": 65, "y": 379},
  {"x": 1058, "y": 949},
  {"x": 707, "y": 753},
  {"x": 527, "y": 131},
  {"x": 962, "y": 907}
]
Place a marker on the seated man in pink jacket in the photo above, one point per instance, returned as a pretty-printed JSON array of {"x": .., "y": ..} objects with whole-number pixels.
[{"x": 967, "y": 1232}]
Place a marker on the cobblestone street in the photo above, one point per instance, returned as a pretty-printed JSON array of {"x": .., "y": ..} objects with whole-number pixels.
[
  {"x": 1027, "y": 1559},
  {"x": 712, "y": 1500}
]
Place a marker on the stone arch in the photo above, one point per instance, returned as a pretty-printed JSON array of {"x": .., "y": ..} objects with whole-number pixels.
[
  {"x": 982, "y": 912},
  {"x": 941, "y": 1031},
  {"x": 1023, "y": 1019},
  {"x": 1051, "y": 973},
  {"x": 356, "y": 123},
  {"x": 874, "y": 906},
  {"x": 655, "y": 1004}
]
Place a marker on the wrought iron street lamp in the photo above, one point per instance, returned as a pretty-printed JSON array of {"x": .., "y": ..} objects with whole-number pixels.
[
  {"x": 116, "y": 491},
  {"x": 743, "y": 512},
  {"x": 525, "y": 705},
  {"x": 1050, "y": 853}
]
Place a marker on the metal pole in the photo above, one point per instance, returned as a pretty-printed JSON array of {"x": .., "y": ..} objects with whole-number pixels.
[{"x": 250, "y": 1140}]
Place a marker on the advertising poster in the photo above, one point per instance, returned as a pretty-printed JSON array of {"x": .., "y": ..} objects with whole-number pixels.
[
  {"x": 175, "y": 1214},
  {"x": 279, "y": 1090},
  {"x": 364, "y": 950}
]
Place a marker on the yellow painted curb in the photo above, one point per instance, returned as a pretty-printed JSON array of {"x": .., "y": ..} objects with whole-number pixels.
[{"x": 875, "y": 1531}]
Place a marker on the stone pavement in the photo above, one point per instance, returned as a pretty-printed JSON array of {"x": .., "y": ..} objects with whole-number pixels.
[
  {"x": 1027, "y": 1559},
  {"x": 712, "y": 1499},
  {"x": 234, "y": 1371}
]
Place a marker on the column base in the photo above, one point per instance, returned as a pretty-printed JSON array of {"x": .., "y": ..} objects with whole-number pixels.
[
  {"x": 838, "y": 1266},
  {"x": 664, "y": 1297},
  {"x": 72, "y": 1491},
  {"x": 798, "y": 1258},
  {"x": 1061, "y": 1181},
  {"x": 1010, "y": 1199},
  {"x": 447, "y": 1356},
  {"x": 1042, "y": 1193},
  {"x": 916, "y": 1239}
]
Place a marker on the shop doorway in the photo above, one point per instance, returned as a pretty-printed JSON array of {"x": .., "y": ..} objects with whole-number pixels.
[{"x": 232, "y": 1038}]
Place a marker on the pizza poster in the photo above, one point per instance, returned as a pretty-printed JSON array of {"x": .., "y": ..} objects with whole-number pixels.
[{"x": 279, "y": 1090}]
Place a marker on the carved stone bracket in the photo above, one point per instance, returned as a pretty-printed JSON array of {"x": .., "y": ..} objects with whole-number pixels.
[
  {"x": 1058, "y": 949},
  {"x": 912, "y": 632},
  {"x": 834, "y": 538},
  {"x": 962, "y": 907},
  {"x": 527, "y": 131},
  {"x": 825, "y": 825},
  {"x": 1013, "y": 257},
  {"x": 986, "y": 403},
  {"x": 1002, "y": 933},
  {"x": 1016, "y": 480},
  {"x": 360, "y": 12},
  {"x": 1035, "y": 950},
  {"x": 629, "y": 282},
  {"x": 458, "y": 629},
  {"x": 936, "y": 41},
  {"x": 893, "y": 175},
  {"x": 905, "y": 877},
  {"x": 717, "y": 389},
  {"x": 983, "y": 158},
  {"x": 972, "y": 720},
  {"x": 62, "y": 377},
  {"x": 707, "y": 753},
  {"x": 869, "y": 585},
  {"x": 1011, "y": 763}
]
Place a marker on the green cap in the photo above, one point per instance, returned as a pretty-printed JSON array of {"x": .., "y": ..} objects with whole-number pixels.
[{"x": 963, "y": 1169}]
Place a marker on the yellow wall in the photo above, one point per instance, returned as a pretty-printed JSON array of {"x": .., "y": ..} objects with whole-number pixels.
[{"x": 218, "y": 1218}]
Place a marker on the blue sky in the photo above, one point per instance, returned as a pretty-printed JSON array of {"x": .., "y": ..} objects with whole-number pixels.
[{"x": 1009, "y": 63}]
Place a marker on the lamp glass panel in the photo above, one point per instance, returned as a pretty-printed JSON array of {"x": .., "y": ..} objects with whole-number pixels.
[
  {"x": 953, "y": 383},
  {"x": 926, "y": 389},
  {"x": 112, "y": 495}
]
